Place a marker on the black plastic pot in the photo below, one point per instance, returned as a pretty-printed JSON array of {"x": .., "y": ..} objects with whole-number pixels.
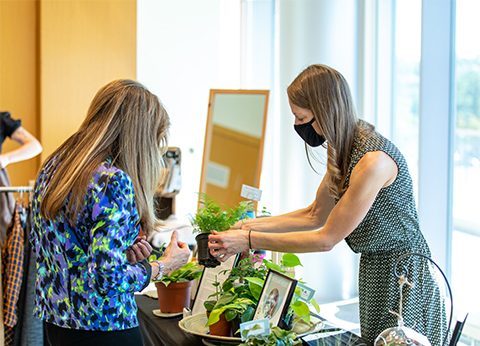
[
  {"x": 204, "y": 256},
  {"x": 236, "y": 326}
]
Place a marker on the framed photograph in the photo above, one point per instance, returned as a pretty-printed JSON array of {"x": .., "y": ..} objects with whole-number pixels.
[{"x": 275, "y": 298}]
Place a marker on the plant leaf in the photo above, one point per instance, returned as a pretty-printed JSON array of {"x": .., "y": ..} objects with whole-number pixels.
[
  {"x": 291, "y": 260},
  {"x": 214, "y": 316},
  {"x": 315, "y": 304}
]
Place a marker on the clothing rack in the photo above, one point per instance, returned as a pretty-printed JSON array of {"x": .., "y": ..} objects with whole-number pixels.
[{"x": 16, "y": 188}]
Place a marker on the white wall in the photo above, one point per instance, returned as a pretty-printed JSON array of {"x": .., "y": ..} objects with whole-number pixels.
[
  {"x": 186, "y": 47},
  {"x": 309, "y": 32}
]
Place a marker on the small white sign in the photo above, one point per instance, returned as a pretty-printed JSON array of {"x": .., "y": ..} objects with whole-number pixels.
[
  {"x": 306, "y": 293},
  {"x": 250, "y": 192},
  {"x": 255, "y": 327}
]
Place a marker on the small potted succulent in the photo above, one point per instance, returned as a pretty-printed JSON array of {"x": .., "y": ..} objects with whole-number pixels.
[{"x": 212, "y": 217}]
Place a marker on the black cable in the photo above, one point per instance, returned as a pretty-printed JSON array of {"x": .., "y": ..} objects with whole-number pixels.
[{"x": 445, "y": 278}]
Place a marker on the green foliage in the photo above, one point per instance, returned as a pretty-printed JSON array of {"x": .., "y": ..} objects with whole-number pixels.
[
  {"x": 290, "y": 260},
  {"x": 245, "y": 282},
  {"x": 156, "y": 254},
  {"x": 188, "y": 272},
  {"x": 264, "y": 212},
  {"x": 212, "y": 217},
  {"x": 246, "y": 269},
  {"x": 232, "y": 304},
  {"x": 277, "y": 337}
]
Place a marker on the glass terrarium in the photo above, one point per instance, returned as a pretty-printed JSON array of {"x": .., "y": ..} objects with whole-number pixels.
[{"x": 401, "y": 335}]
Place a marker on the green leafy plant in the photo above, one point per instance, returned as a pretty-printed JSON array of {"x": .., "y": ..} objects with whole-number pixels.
[
  {"x": 212, "y": 217},
  {"x": 277, "y": 337},
  {"x": 190, "y": 271},
  {"x": 244, "y": 286},
  {"x": 231, "y": 303},
  {"x": 298, "y": 308}
]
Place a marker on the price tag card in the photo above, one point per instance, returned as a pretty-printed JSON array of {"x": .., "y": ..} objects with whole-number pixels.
[
  {"x": 306, "y": 293},
  {"x": 255, "y": 327},
  {"x": 250, "y": 192}
]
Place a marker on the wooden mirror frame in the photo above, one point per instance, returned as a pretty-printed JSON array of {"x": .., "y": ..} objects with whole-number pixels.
[{"x": 236, "y": 190}]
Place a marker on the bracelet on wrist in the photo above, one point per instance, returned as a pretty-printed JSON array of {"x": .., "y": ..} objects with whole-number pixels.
[{"x": 161, "y": 268}]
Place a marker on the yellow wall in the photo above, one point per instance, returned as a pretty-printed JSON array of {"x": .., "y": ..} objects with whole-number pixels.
[
  {"x": 54, "y": 56},
  {"x": 83, "y": 46},
  {"x": 18, "y": 77}
]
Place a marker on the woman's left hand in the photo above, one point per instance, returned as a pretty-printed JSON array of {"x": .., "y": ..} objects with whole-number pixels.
[
  {"x": 140, "y": 250},
  {"x": 224, "y": 245}
]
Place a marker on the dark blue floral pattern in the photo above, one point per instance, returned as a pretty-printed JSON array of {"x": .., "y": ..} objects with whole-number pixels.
[{"x": 84, "y": 280}]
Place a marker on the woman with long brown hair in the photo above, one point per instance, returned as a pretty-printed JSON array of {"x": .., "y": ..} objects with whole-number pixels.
[
  {"x": 366, "y": 197},
  {"x": 92, "y": 198}
]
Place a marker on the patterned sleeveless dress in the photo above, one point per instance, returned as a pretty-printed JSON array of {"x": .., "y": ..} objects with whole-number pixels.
[{"x": 389, "y": 230}]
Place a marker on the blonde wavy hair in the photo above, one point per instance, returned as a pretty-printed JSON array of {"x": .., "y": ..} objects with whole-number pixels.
[
  {"x": 325, "y": 92},
  {"x": 125, "y": 122}
]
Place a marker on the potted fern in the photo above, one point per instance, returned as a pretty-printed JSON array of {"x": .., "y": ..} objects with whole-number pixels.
[{"x": 212, "y": 217}]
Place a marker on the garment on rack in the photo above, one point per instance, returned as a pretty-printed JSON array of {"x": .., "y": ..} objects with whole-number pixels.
[
  {"x": 29, "y": 330},
  {"x": 12, "y": 273},
  {"x": 7, "y": 202},
  {"x": 7, "y": 206}
]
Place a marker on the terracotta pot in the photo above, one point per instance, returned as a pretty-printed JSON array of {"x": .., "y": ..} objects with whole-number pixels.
[
  {"x": 175, "y": 296},
  {"x": 222, "y": 327},
  {"x": 204, "y": 256}
]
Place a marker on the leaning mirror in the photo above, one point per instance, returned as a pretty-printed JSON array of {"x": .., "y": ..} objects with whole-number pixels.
[{"x": 234, "y": 140}]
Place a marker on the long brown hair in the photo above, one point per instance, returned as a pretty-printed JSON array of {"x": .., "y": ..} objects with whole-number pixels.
[
  {"x": 325, "y": 92},
  {"x": 125, "y": 122}
]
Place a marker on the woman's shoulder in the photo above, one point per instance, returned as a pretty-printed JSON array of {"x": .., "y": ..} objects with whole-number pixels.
[
  {"x": 109, "y": 176},
  {"x": 110, "y": 186}
]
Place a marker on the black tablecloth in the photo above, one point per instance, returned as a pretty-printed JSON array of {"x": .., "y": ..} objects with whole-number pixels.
[{"x": 159, "y": 331}]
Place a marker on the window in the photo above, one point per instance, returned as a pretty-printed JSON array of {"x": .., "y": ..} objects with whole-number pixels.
[
  {"x": 407, "y": 81},
  {"x": 466, "y": 170}
]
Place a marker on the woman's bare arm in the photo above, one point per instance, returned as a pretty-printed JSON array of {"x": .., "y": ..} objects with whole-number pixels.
[
  {"x": 373, "y": 172},
  {"x": 306, "y": 219},
  {"x": 30, "y": 147}
]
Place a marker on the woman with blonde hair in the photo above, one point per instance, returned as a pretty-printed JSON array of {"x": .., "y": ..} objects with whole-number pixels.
[
  {"x": 366, "y": 197},
  {"x": 92, "y": 198}
]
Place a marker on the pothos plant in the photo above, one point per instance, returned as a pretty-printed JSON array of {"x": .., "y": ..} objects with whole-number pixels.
[
  {"x": 240, "y": 292},
  {"x": 298, "y": 308},
  {"x": 212, "y": 217}
]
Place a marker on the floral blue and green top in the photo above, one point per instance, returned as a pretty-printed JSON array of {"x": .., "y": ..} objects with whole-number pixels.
[{"x": 84, "y": 280}]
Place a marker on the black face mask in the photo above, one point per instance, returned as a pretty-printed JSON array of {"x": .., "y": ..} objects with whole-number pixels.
[{"x": 309, "y": 135}]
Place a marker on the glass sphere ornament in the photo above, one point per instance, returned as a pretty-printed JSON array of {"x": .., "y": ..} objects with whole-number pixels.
[{"x": 401, "y": 335}]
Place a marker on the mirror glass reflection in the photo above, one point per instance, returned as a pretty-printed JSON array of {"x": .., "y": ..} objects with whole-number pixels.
[{"x": 234, "y": 141}]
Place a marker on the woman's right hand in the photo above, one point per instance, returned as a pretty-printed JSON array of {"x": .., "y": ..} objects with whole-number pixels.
[{"x": 176, "y": 254}]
